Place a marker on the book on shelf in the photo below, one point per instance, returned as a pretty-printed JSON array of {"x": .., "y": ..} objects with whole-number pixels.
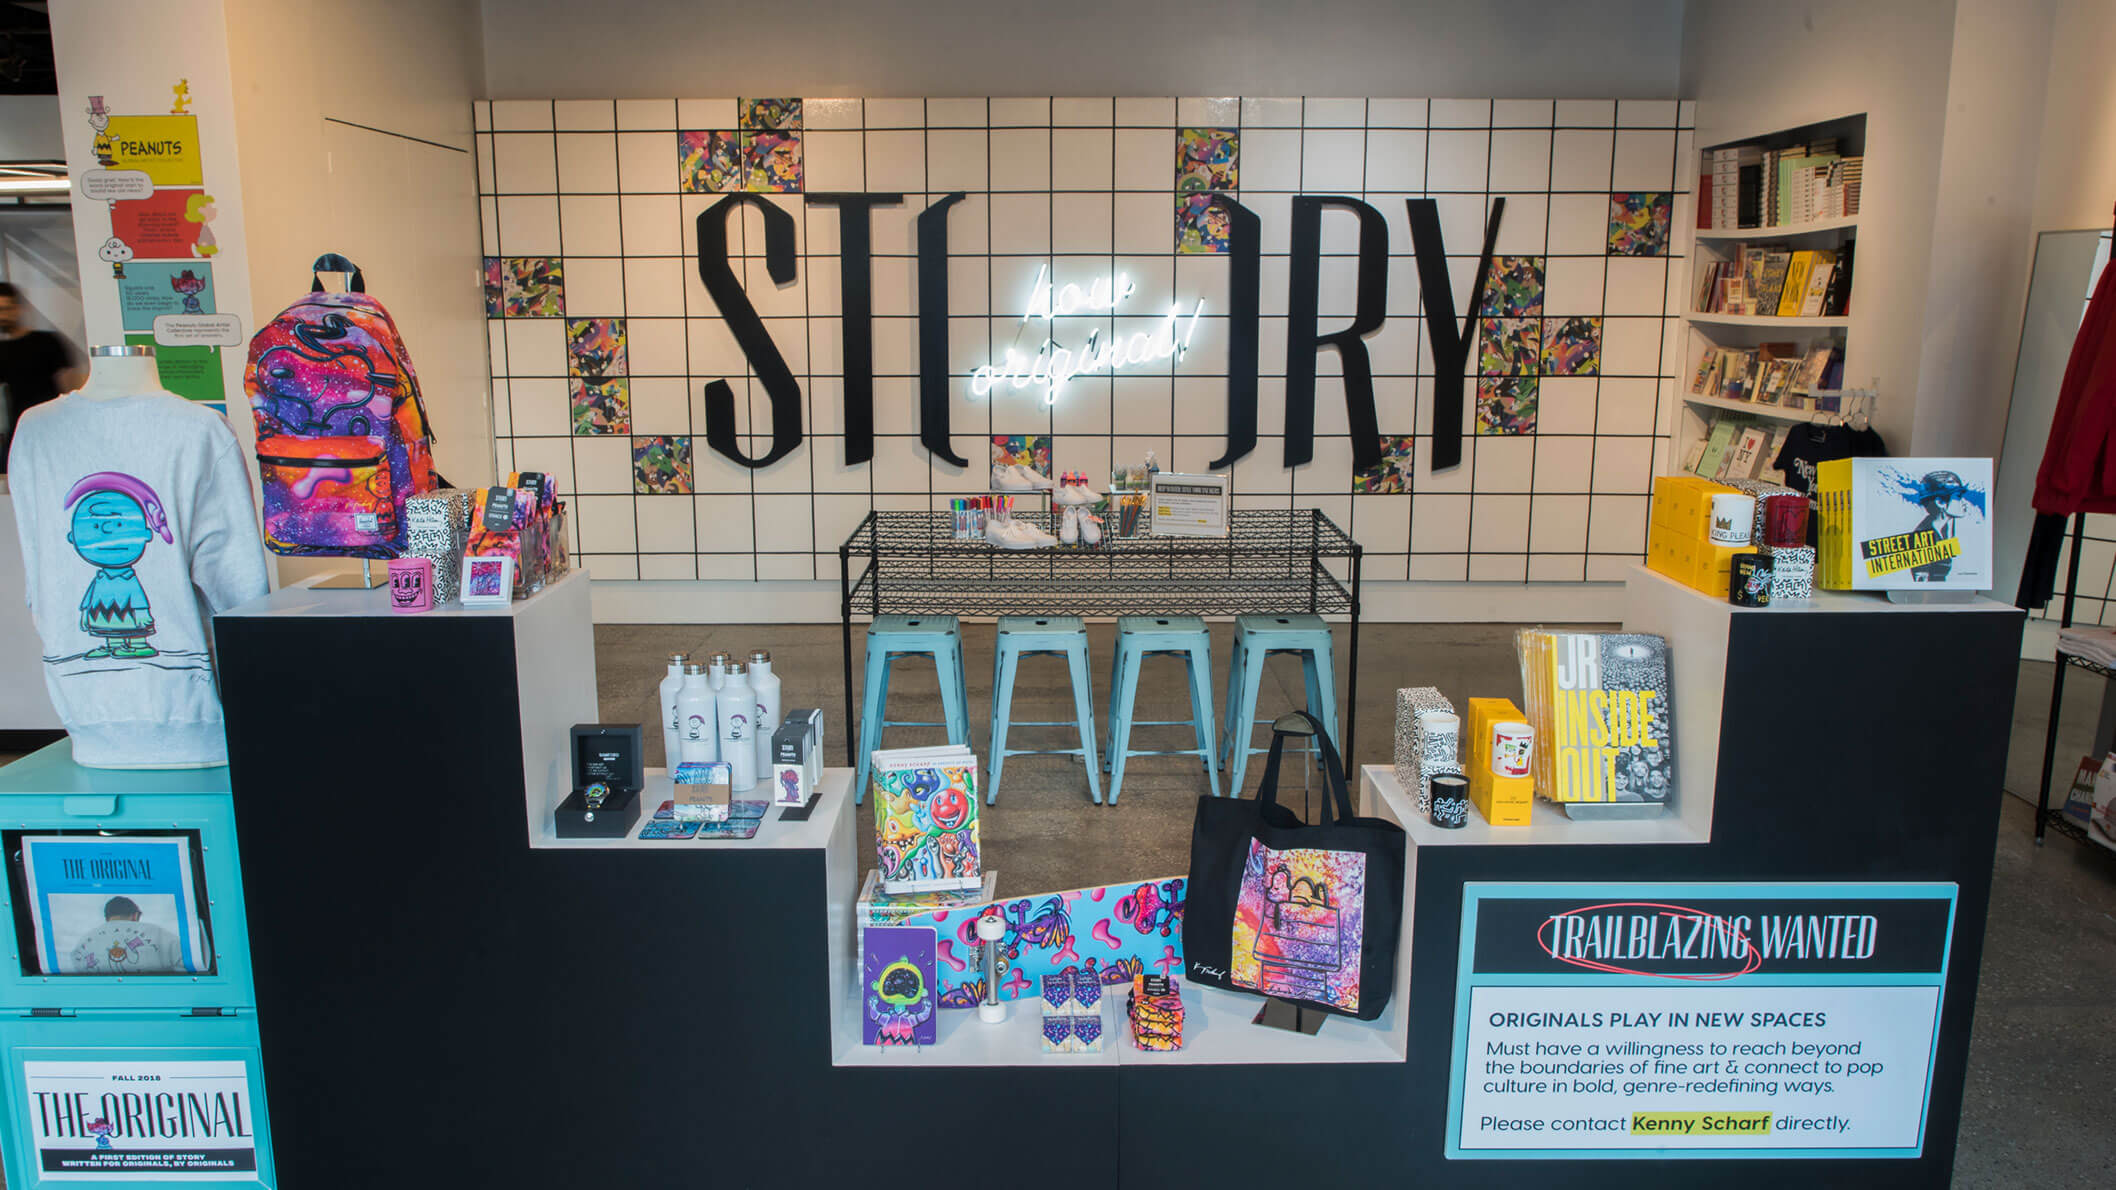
[
  {"x": 1836, "y": 300},
  {"x": 1820, "y": 269},
  {"x": 1745, "y": 456},
  {"x": 1718, "y": 440},
  {"x": 1746, "y": 186},
  {"x": 1794, "y": 292},
  {"x": 1771, "y": 283}
]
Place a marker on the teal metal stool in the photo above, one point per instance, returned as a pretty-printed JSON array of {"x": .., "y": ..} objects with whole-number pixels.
[
  {"x": 891, "y": 637},
  {"x": 1257, "y": 637},
  {"x": 1140, "y": 637},
  {"x": 1042, "y": 636}
]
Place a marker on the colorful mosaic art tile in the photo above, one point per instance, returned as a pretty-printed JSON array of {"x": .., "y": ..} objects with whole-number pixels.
[
  {"x": 495, "y": 287},
  {"x": 1506, "y": 405},
  {"x": 771, "y": 162},
  {"x": 782, "y": 115},
  {"x": 1514, "y": 289},
  {"x": 708, "y": 162},
  {"x": 1207, "y": 159},
  {"x": 595, "y": 347},
  {"x": 661, "y": 466},
  {"x": 1572, "y": 346},
  {"x": 1638, "y": 223},
  {"x": 1508, "y": 346},
  {"x": 1201, "y": 228},
  {"x": 1392, "y": 475},
  {"x": 602, "y": 406},
  {"x": 532, "y": 287}
]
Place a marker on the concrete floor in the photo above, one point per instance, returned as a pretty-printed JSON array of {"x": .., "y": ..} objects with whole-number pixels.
[{"x": 2042, "y": 1059}]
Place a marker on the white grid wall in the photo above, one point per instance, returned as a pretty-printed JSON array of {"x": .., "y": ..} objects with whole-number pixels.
[{"x": 603, "y": 338}]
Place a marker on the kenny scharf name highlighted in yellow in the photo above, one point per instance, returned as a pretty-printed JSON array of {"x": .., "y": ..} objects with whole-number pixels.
[{"x": 1700, "y": 1123}]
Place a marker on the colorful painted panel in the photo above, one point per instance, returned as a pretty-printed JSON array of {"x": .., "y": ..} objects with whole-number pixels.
[
  {"x": 1514, "y": 289},
  {"x": 595, "y": 347},
  {"x": 1572, "y": 346},
  {"x": 1028, "y": 450},
  {"x": 661, "y": 466},
  {"x": 771, "y": 162},
  {"x": 1201, "y": 228},
  {"x": 1207, "y": 159},
  {"x": 708, "y": 162},
  {"x": 602, "y": 406},
  {"x": 780, "y": 114},
  {"x": 1112, "y": 932},
  {"x": 1298, "y": 924},
  {"x": 1392, "y": 475},
  {"x": 495, "y": 287},
  {"x": 1507, "y": 346},
  {"x": 898, "y": 993},
  {"x": 1638, "y": 223},
  {"x": 1506, "y": 405},
  {"x": 532, "y": 287}
]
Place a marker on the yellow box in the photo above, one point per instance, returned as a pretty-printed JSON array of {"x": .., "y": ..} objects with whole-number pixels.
[
  {"x": 1684, "y": 503},
  {"x": 1504, "y": 801}
]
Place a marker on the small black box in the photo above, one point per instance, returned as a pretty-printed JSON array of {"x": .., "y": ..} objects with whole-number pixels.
[
  {"x": 609, "y": 753},
  {"x": 615, "y": 820}
]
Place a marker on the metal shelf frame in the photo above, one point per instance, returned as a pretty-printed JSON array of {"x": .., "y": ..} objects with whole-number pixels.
[{"x": 1273, "y": 561}]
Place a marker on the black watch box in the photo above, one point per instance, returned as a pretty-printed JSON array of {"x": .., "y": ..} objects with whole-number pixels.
[{"x": 610, "y": 754}]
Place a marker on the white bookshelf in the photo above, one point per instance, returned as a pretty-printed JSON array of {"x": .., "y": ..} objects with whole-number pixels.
[
  {"x": 1817, "y": 227},
  {"x": 1695, "y": 413},
  {"x": 1752, "y": 408},
  {"x": 1774, "y": 321}
]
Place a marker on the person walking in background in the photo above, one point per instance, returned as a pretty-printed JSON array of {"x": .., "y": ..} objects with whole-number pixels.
[{"x": 35, "y": 366}]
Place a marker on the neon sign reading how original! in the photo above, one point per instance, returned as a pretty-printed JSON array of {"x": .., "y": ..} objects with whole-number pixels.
[{"x": 1054, "y": 363}]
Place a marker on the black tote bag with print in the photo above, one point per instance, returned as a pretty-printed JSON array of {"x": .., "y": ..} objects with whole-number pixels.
[{"x": 1309, "y": 914}]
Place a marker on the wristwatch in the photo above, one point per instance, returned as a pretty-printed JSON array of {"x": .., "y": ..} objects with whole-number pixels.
[{"x": 594, "y": 795}]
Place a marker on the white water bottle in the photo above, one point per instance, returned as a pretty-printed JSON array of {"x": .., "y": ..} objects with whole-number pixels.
[
  {"x": 765, "y": 684},
  {"x": 738, "y": 706},
  {"x": 716, "y": 670},
  {"x": 696, "y": 709},
  {"x": 671, "y": 723}
]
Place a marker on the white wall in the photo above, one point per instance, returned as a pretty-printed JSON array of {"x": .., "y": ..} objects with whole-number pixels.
[
  {"x": 396, "y": 195},
  {"x": 1503, "y": 48},
  {"x": 2075, "y": 178},
  {"x": 1755, "y": 68}
]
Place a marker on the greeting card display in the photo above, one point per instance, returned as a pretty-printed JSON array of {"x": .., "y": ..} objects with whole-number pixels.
[{"x": 925, "y": 819}]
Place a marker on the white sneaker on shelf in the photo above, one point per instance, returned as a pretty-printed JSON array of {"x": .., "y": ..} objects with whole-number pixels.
[
  {"x": 1016, "y": 478},
  {"x": 1075, "y": 494},
  {"x": 1005, "y": 535},
  {"x": 1035, "y": 538},
  {"x": 1069, "y": 528},
  {"x": 1090, "y": 528}
]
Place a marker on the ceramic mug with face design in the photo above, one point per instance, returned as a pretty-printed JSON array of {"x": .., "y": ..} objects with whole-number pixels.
[{"x": 410, "y": 585}]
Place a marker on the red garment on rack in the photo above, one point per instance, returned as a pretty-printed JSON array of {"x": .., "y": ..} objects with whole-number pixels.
[{"x": 2078, "y": 472}]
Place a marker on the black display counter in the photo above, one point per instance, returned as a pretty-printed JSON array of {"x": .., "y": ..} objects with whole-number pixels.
[{"x": 451, "y": 995}]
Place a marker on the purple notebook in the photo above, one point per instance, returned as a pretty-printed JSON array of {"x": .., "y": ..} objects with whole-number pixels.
[{"x": 898, "y": 992}]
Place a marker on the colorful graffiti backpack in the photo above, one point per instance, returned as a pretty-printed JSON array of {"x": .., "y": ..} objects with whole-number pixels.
[{"x": 342, "y": 437}]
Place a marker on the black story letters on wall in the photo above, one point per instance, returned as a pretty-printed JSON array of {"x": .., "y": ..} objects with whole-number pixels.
[
  {"x": 1451, "y": 338},
  {"x": 763, "y": 354}
]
